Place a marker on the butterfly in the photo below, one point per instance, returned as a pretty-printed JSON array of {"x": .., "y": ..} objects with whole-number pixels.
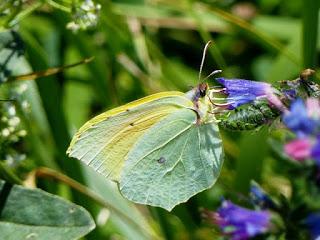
[{"x": 161, "y": 149}]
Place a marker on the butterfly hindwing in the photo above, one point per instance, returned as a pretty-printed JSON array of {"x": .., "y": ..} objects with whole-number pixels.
[
  {"x": 104, "y": 141},
  {"x": 168, "y": 168}
]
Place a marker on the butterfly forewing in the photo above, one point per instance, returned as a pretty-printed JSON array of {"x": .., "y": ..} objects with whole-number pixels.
[
  {"x": 168, "y": 168},
  {"x": 104, "y": 141}
]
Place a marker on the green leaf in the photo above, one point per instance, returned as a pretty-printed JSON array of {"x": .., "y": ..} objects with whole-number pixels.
[
  {"x": 168, "y": 168},
  {"x": 35, "y": 214}
]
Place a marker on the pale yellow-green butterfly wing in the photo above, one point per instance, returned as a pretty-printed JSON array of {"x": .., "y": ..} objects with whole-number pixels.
[{"x": 104, "y": 142}]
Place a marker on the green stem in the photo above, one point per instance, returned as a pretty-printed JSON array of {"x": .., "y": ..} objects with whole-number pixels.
[
  {"x": 23, "y": 14},
  {"x": 59, "y": 6},
  {"x": 310, "y": 32}
]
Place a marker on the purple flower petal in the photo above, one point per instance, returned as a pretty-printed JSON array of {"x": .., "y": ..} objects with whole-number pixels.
[
  {"x": 313, "y": 108},
  {"x": 241, "y": 91},
  {"x": 241, "y": 223},
  {"x": 297, "y": 119},
  {"x": 313, "y": 223},
  {"x": 242, "y": 86},
  {"x": 299, "y": 149},
  {"x": 259, "y": 197},
  {"x": 315, "y": 151}
]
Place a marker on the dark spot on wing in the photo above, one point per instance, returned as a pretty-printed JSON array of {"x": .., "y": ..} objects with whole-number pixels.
[
  {"x": 127, "y": 110},
  {"x": 161, "y": 160},
  {"x": 131, "y": 124}
]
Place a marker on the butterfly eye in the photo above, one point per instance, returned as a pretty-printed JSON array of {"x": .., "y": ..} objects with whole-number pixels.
[
  {"x": 202, "y": 92},
  {"x": 203, "y": 89}
]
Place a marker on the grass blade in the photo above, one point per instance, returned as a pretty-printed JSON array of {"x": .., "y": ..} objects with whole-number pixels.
[{"x": 310, "y": 32}]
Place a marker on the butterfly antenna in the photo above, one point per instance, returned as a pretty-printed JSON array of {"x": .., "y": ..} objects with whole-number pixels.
[
  {"x": 213, "y": 73},
  {"x": 203, "y": 58}
]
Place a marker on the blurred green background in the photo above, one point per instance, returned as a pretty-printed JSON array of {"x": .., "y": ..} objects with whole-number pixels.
[{"x": 142, "y": 47}]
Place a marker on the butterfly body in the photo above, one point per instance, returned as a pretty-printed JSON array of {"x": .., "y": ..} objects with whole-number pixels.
[{"x": 161, "y": 149}]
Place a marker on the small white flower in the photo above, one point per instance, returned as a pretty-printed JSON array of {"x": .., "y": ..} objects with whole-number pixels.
[
  {"x": 16, "y": 3},
  {"x": 22, "y": 133},
  {"x": 9, "y": 159},
  {"x": 11, "y": 110},
  {"x": 14, "y": 121},
  {"x": 5, "y": 132},
  {"x": 73, "y": 26},
  {"x": 25, "y": 105},
  {"x": 84, "y": 16},
  {"x": 92, "y": 17},
  {"x": 22, "y": 88},
  {"x": 21, "y": 157},
  {"x": 87, "y": 5}
]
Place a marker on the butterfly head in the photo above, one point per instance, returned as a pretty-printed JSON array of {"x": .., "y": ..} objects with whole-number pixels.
[
  {"x": 202, "y": 89},
  {"x": 199, "y": 95}
]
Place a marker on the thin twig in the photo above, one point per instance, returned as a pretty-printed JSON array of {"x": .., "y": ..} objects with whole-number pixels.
[{"x": 47, "y": 72}]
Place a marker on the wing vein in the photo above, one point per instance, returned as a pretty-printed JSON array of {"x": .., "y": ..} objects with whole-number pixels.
[
  {"x": 162, "y": 145},
  {"x": 203, "y": 167},
  {"x": 113, "y": 138}
]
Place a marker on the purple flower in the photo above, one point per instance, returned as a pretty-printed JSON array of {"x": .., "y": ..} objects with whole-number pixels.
[
  {"x": 242, "y": 91},
  {"x": 241, "y": 223},
  {"x": 315, "y": 151},
  {"x": 299, "y": 149},
  {"x": 290, "y": 93},
  {"x": 313, "y": 223},
  {"x": 298, "y": 120},
  {"x": 313, "y": 108},
  {"x": 259, "y": 197}
]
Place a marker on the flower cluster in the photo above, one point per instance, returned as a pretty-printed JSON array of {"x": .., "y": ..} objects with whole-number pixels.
[
  {"x": 12, "y": 132},
  {"x": 84, "y": 16},
  {"x": 303, "y": 119},
  {"x": 239, "y": 223}
]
